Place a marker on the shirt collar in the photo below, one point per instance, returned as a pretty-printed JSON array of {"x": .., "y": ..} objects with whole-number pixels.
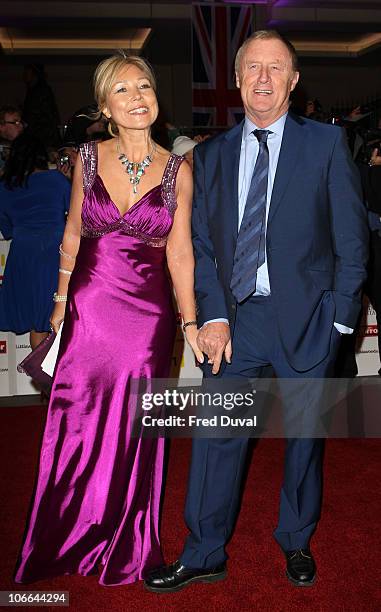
[{"x": 276, "y": 128}]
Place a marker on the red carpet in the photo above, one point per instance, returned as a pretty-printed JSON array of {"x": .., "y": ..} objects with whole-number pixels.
[{"x": 346, "y": 545}]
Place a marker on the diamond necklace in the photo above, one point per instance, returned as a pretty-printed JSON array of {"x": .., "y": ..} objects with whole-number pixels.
[{"x": 135, "y": 170}]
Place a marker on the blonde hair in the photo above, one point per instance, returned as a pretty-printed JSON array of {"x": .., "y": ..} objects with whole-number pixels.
[{"x": 105, "y": 75}]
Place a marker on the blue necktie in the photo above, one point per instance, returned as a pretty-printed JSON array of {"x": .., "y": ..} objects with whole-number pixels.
[{"x": 250, "y": 248}]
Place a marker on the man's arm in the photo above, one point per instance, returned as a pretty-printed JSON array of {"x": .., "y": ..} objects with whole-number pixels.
[
  {"x": 209, "y": 293},
  {"x": 214, "y": 337},
  {"x": 350, "y": 233}
]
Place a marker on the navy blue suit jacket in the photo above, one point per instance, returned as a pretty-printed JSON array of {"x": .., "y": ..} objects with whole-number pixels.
[{"x": 317, "y": 236}]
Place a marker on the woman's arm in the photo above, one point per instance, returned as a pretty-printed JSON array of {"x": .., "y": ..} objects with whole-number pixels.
[
  {"x": 70, "y": 244},
  {"x": 180, "y": 255}
]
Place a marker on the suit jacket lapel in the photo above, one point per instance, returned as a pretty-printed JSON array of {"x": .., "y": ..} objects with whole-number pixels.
[
  {"x": 289, "y": 152},
  {"x": 230, "y": 154}
]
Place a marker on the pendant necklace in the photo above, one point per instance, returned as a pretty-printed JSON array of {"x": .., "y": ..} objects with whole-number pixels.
[{"x": 135, "y": 170}]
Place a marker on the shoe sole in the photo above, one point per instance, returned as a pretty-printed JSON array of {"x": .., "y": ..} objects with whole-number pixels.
[
  {"x": 207, "y": 578},
  {"x": 300, "y": 583}
]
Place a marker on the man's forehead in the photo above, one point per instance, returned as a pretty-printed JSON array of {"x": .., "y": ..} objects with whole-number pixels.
[
  {"x": 8, "y": 116},
  {"x": 272, "y": 48}
]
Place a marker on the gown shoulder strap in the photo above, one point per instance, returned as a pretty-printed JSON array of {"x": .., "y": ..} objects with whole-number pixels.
[
  {"x": 89, "y": 157},
  {"x": 169, "y": 180}
]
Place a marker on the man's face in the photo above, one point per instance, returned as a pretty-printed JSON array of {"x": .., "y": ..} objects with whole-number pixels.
[
  {"x": 11, "y": 126},
  {"x": 266, "y": 79}
]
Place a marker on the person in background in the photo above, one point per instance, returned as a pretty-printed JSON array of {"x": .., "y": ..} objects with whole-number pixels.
[
  {"x": 183, "y": 145},
  {"x": 33, "y": 205},
  {"x": 86, "y": 125},
  {"x": 40, "y": 110},
  {"x": 11, "y": 126},
  {"x": 367, "y": 155},
  {"x": 314, "y": 110},
  {"x": 371, "y": 179},
  {"x": 66, "y": 160}
]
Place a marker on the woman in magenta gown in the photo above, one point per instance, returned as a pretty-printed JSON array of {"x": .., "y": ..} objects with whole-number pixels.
[{"x": 96, "y": 504}]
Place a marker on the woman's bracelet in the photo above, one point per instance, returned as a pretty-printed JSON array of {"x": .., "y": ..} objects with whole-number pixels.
[
  {"x": 64, "y": 271},
  {"x": 64, "y": 254},
  {"x": 185, "y": 325},
  {"x": 59, "y": 298}
]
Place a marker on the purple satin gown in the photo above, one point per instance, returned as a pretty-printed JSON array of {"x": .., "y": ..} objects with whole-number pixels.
[{"x": 96, "y": 505}]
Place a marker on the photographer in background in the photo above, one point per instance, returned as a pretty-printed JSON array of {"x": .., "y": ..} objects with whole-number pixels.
[
  {"x": 66, "y": 158},
  {"x": 81, "y": 127},
  {"x": 84, "y": 127}
]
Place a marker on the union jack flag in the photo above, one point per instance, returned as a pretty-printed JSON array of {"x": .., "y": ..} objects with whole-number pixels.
[{"x": 217, "y": 34}]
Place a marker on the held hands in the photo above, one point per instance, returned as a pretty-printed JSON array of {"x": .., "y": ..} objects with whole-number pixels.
[
  {"x": 58, "y": 315},
  {"x": 214, "y": 340},
  {"x": 191, "y": 334}
]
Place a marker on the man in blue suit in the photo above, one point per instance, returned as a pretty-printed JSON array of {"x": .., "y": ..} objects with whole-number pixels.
[{"x": 280, "y": 241}]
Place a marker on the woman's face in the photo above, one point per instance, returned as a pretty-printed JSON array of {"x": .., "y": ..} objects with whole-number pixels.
[{"x": 132, "y": 102}]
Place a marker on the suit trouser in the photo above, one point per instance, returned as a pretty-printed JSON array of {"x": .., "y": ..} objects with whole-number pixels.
[{"x": 217, "y": 464}]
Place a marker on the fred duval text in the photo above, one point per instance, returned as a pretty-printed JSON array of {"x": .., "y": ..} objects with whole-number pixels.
[{"x": 221, "y": 420}]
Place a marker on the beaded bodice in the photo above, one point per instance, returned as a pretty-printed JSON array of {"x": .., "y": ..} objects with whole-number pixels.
[{"x": 149, "y": 219}]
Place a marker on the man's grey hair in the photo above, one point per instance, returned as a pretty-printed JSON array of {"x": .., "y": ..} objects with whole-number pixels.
[{"x": 266, "y": 35}]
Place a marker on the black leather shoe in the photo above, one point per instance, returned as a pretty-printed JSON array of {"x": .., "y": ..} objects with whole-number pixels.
[
  {"x": 301, "y": 568},
  {"x": 171, "y": 578}
]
